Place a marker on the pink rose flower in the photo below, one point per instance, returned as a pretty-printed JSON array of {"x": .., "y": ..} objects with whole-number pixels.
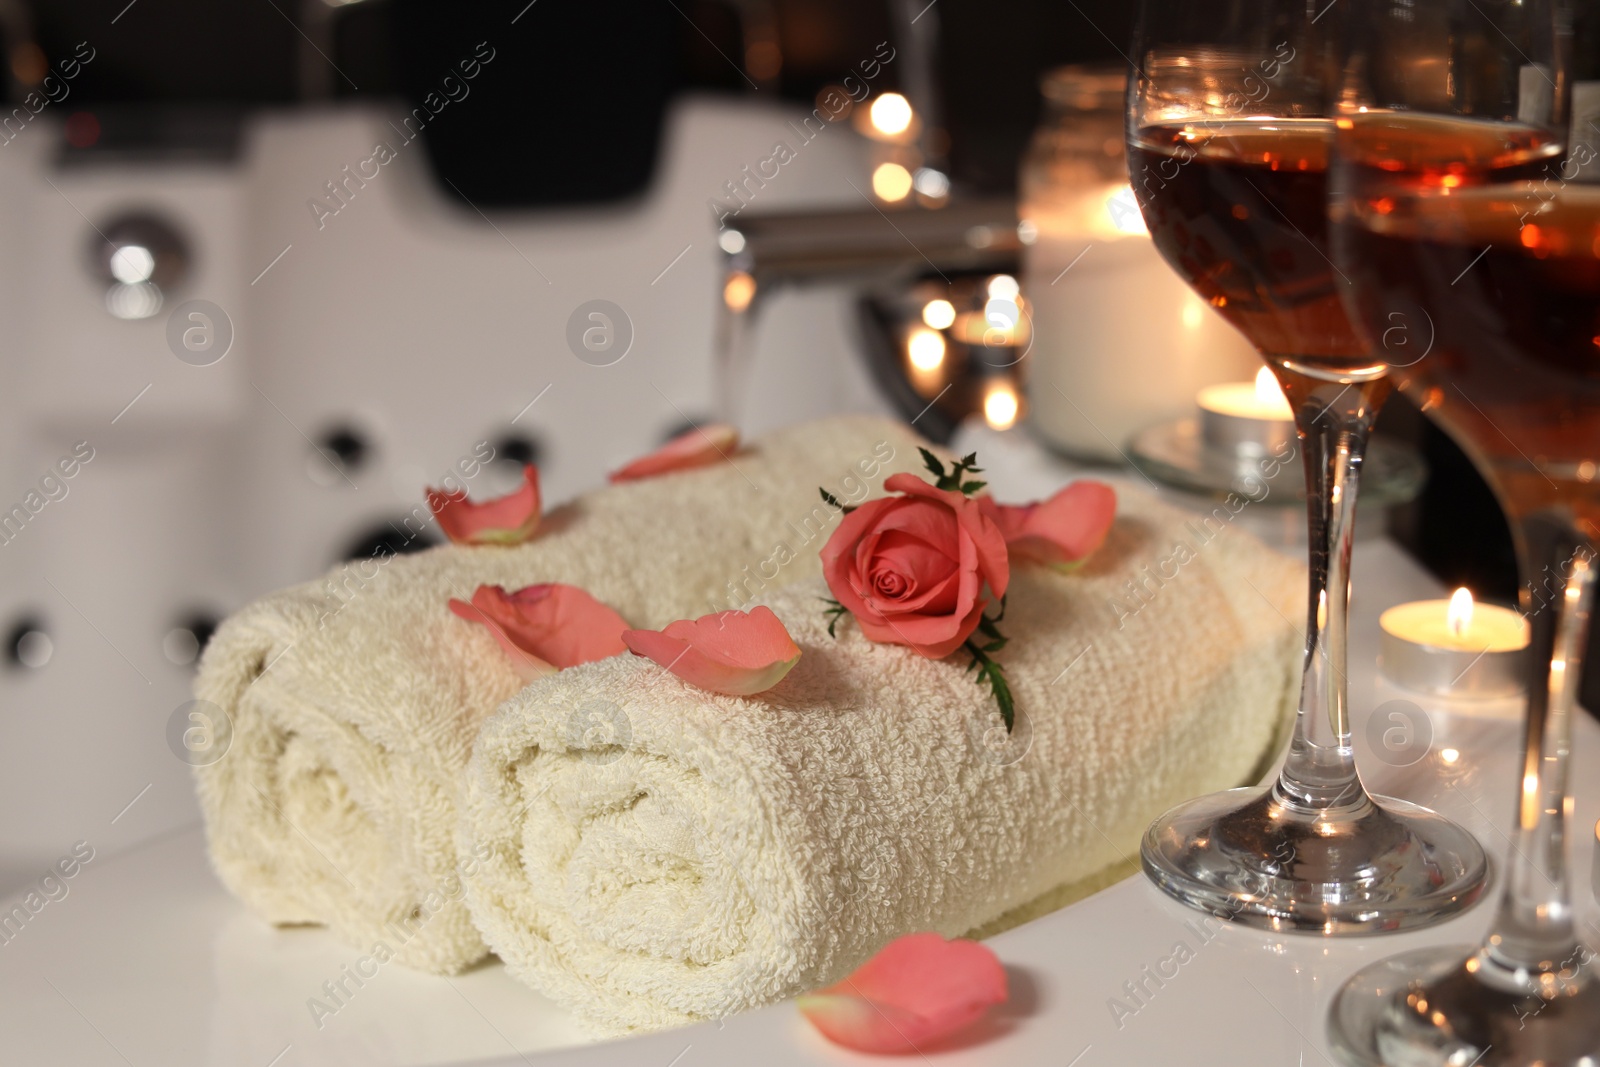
[
  {"x": 506, "y": 520},
  {"x": 546, "y": 627},
  {"x": 1060, "y": 532},
  {"x": 917, "y": 569}
]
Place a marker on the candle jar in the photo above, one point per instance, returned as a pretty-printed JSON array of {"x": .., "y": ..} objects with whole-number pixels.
[{"x": 1119, "y": 341}]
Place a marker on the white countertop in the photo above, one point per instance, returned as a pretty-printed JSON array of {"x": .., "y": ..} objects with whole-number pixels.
[{"x": 148, "y": 961}]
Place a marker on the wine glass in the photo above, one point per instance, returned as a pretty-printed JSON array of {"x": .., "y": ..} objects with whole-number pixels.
[
  {"x": 1228, "y": 134},
  {"x": 1461, "y": 213}
]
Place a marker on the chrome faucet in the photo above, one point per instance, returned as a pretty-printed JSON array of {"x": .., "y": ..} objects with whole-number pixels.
[{"x": 869, "y": 247}]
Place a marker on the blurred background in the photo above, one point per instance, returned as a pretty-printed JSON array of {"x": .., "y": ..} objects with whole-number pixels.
[{"x": 269, "y": 269}]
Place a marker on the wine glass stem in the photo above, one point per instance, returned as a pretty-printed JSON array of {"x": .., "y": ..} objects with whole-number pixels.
[
  {"x": 1334, "y": 420},
  {"x": 1533, "y": 929}
]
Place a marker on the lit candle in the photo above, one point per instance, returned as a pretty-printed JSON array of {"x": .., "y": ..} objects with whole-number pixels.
[
  {"x": 1119, "y": 341},
  {"x": 1455, "y": 646},
  {"x": 925, "y": 352},
  {"x": 1246, "y": 416},
  {"x": 1000, "y": 405}
]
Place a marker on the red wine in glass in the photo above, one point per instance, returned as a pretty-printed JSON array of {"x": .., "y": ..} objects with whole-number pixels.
[
  {"x": 1469, "y": 240},
  {"x": 1239, "y": 208}
]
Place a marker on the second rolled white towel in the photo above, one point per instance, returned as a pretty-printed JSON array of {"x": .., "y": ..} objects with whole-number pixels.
[{"x": 680, "y": 855}]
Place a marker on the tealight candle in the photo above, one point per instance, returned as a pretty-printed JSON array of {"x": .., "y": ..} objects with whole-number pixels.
[
  {"x": 1246, "y": 416},
  {"x": 1455, "y": 646}
]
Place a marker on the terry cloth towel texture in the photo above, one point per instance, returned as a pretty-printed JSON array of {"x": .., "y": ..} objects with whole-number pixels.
[
  {"x": 354, "y": 703},
  {"x": 690, "y": 855}
]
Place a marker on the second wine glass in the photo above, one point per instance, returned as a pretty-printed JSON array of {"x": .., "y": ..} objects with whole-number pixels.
[
  {"x": 1229, "y": 131},
  {"x": 1463, "y": 214}
]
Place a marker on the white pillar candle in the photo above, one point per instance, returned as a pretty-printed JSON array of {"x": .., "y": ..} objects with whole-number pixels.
[{"x": 1120, "y": 342}]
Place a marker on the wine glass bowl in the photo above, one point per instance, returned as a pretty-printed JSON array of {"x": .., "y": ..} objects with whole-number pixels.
[
  {"x": 1454, "y": 223},
  {"x": 1229, "y": 130},
  {"x": 1260, "y": 260}
]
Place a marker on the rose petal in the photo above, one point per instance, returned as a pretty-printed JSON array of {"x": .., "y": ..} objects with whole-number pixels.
[
  {"x": 931, "y": 521},
  {"x": 525, "y": 663},
  {"x": 546, "y": 627},
  {"x": 506, "y": 520},
  {"x": 989, "y": 545},
  {"x": 734, "y": 652},
  {"x": 1062, "y": 531},
  {"x": 839, "y": 554},
  {"x": 695, "y": 448},
  {"x": 932, "y": 636},
  {"x": 919, "y": 989},
  {"x": 927, "y": 571}
]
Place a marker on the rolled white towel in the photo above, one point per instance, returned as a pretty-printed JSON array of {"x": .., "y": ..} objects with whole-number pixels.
[
  {"x": 354, "y": 700},
  {"x": 693, "y": 855}
]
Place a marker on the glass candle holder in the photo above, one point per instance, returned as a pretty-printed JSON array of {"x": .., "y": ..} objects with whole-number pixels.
[{"x": 1120, "y": 342}]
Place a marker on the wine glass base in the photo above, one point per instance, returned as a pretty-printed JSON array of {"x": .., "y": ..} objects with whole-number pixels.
[
  {"x": 1426, "y": 1009},
  {"x": 1245, "y": 856}
]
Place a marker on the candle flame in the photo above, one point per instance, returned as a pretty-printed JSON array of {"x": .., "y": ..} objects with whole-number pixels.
[
  {"x": 1000, "y": 406},
  {"x": 1122, "y": 208},
  {"x": 1268, "y": 391},
  {"x": 1459, "y": 616},
  {"x": 1003, "y": 287},
  {"x": 891, "y": 114},
  {"x": 891, "y": 182},
  {"x": 738, "y": 291},
  {"x": 925, "y": 349},
  {"x": 939, "y": 314}
]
